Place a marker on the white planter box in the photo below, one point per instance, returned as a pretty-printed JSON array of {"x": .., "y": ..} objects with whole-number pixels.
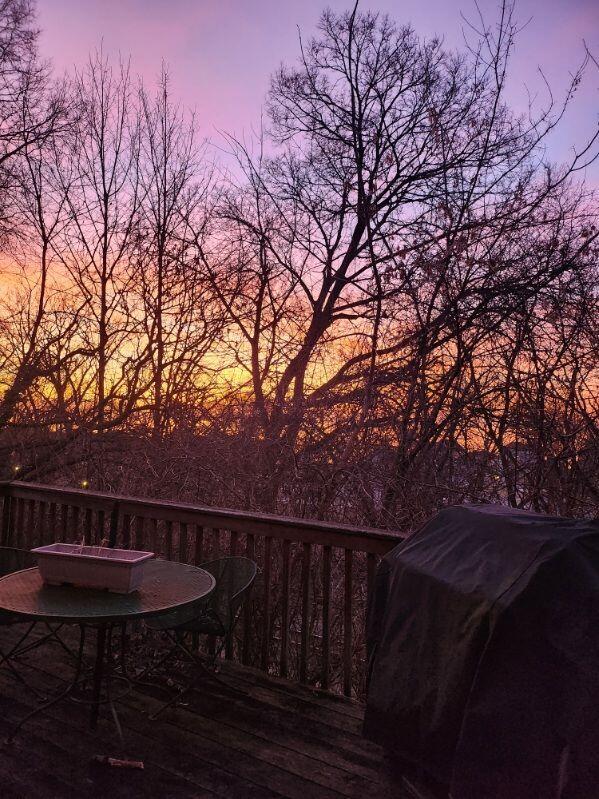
[{"x": 118, "y": 570}]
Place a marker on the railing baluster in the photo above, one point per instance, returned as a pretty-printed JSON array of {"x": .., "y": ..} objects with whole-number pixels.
[
  {"x": 30, "y": 527},
  {"x": 52, "y": 512},
  {"x": 101, "y": 525},
  {"x": 154, "y": 537},
  {"x": 17, "y": 535},
  {"x": 326, "y": 616},
  {"x": 306, "y": 564},
  {"x": 266, "y": 607},
  {"x": 199, "y": 547},
  {"x": 88, "y": 524},
  {"x": 75, "y": 512},
  {"x": 183, "y": 543},
  {"x": 139, "y": 532},
  {"x": 247, "y": 608},
  {"x": 64, "y": 515},
  {"x": 168, "y": 542},
  {"x": 52, "y": 523},
  {"x": 233, "y": 542},
  {"x": 115, "y": 518},
  {"x": 347, "y": 623},
  {"x": 285, "y": 610},
  {"x": 215, "y": 551},
  {"x": 42, "y": 525},
  {"x": 126, "y": 531}
]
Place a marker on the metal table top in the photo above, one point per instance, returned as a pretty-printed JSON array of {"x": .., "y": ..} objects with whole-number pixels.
[{"x": 165, "y": 586}]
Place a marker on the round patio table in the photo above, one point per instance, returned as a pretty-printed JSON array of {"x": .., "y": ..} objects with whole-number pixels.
[{"x": 166, "y": 586}]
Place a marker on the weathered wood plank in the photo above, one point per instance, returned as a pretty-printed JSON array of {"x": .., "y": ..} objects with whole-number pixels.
[
  {"x": 168, "y": 540},
  {"x": 250, "y": 549},
  {"x": 154, "y": 545},
  {"x": 348, "y": 619},
  {"x": 61, "y": 738},
  {"x": 75, "y": 515},
  {"x": 199, "y": 544},
  {"x": 283, "y": 664},
  {"x": 266, "y": 603},
  {"x": 30, "y": 526},
  {"x": 139, "y": 535},
  {"x": 258, "y": 739},
  {"x": 17, "y": 536},
  {"x": 126, "y": 531},
  {"x": 100, "y": 534},
  {"x": 88, "y": 525},
  {"x": 305, "y": 632},
  {"x": 42, "y": 524},
  {"x": 326, "y": 616},
  {"x": 183, "y": 543}
]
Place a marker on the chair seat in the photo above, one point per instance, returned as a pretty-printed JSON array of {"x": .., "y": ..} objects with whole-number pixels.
[{"x": 205, "y": 623}]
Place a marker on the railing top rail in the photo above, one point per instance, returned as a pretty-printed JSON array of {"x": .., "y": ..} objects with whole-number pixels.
[{"x": 314, "y": 531}]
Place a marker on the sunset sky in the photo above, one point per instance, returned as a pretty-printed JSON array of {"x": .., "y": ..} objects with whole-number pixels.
[{"x": 220, "y": 53}]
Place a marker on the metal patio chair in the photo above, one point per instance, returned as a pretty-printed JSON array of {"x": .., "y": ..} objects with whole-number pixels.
[{"x": 216, "y": 617}]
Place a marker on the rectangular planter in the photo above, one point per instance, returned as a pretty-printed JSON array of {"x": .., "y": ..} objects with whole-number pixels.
[{"x": 118, "y": 570}]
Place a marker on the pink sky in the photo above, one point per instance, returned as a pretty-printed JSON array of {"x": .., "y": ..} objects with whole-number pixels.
[{"x": 220, "y": 53}]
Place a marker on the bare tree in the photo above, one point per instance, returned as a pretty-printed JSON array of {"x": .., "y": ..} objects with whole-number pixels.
[
  {"x": 405, "y": 208},
  {"x": 32, "y": 115},
  {"x": 104, "y": 196},
  {"x": 180, "y": 324}
]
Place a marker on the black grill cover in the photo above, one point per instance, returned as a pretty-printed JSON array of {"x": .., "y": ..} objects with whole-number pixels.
[{"x": 483, "y": 637}]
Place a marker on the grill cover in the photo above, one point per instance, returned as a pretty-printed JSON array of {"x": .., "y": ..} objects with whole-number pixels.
[{"x": 483, "y": 639}]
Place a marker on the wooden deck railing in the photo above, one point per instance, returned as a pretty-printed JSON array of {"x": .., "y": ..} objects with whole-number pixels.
[{"x": 306, "y": 617}]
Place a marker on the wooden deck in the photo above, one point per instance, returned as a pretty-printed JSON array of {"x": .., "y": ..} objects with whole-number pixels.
[{"x": 275, "y": 739}]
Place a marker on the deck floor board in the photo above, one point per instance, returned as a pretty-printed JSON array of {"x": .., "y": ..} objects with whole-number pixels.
[{"x": 267, "y": 739}]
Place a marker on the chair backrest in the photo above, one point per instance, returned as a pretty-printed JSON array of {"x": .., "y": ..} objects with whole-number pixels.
[
  {"x": 13, "y": 559},
  {"x": 234, "y": 577}
]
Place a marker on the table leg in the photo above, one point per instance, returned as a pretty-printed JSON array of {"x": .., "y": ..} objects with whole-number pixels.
[
  {"x": 108, "y": 681},
  {"x": 60, "y": 696},
  {"x": 124, "y": 648},
  {"x": 98, "y": 674}
]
